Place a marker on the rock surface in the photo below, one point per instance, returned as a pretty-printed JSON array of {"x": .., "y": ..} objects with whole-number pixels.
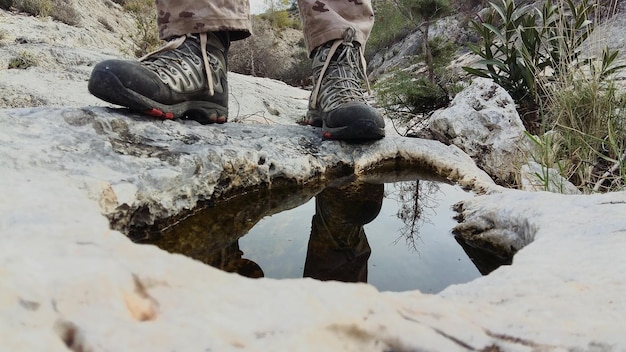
[
  {"x": 76, "y": 175},
  {"x": 64, "y": 54},
  {"x": 483, "y": 122},
  {"x": 140, "y": 170},
  {"x": 69, "y": 281}
]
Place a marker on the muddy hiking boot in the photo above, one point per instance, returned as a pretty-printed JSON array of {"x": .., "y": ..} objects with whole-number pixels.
[
  {"x": 338, "y": 102},
  {"x": 186, "y": 78}
]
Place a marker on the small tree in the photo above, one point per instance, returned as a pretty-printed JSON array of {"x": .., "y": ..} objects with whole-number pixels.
[
  {"x": 411, "y": 96},
  {"x": 426, "y": 11},
  {"x": 276, "y": 5}
]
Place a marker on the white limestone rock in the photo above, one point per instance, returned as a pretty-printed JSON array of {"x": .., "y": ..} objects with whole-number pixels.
[
  {"x": 69, "y": 281},
  {"x": 483, "y": 122},
  {"x": 141, "y": 170},
  {"x": 558, "y": 279}
]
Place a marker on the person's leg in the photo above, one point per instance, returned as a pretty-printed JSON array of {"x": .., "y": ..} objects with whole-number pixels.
[
  {"x": 326, "y": 20},
  {"x": 176, "y": 18},
  {"x": 187, "y": 78},
  {"x": 336, "y": 32}
]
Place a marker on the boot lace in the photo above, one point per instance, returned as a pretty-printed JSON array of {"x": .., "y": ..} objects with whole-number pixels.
[
  {"x": 339, "y": 80},
  {"x": 178, "y": 65}
]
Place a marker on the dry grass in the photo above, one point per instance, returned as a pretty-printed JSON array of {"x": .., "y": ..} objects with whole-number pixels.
[
  {"x": 64, "y": 11},
  {"x": 145, "y": 39},
  {"x": 40, "y": 8},
  {"x": 104, "y": 22},
  {"x": 23, "y": 61},
  {"x": 584, "y": 118},
  {"x": 60, "y": 10}
]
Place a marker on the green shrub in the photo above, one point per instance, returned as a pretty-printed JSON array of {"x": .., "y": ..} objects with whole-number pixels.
[
  {"x": 426, "y": 12},
  {"x": 6, "y": 4},
  {"x": 411, "y": 97},
  {"x": 442, "y": 51},
  {"x": 281, "y": 19},
  {"x": 404, "y": 95},
  {"x": 579, "y": 116},
  {"x": 588, "y": 117},
  {"x": 521, "y": 43},
  {"x": 23, "y": 60}
]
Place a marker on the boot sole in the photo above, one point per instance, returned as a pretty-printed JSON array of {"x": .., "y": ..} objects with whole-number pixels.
[
  {"x": 109, "y": 88},
  {"x": 359, "y": 130}
]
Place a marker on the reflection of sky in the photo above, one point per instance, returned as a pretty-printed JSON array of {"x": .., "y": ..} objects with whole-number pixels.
[
  {"x": 437, "y": 260},
  {"x": 279, "y": 243}
]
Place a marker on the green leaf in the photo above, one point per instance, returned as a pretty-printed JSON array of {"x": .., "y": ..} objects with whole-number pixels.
[
  {"x": 476, "y": 72},
  {"x": 495, "y": 30},
  {"x": 498, "y": 9}
]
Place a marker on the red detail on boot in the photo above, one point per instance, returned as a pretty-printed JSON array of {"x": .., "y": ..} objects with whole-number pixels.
[{"x": 158, "y": 113}]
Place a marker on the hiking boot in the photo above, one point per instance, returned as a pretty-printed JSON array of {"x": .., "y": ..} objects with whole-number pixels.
[
  {"x": 186, "y": 78},
  {"x": 338, "y": 102}
]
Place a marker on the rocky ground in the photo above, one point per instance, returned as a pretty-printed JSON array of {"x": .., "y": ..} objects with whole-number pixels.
[{"x": 63, "y": 55}]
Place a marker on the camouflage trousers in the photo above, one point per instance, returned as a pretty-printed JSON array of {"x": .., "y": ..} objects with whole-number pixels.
[{"x": 322, "y": 20}]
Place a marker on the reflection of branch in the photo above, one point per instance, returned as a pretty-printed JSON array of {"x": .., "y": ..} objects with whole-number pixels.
[
  {"x": 413, "y": 199},
  {"x": 410, "y": 213}
]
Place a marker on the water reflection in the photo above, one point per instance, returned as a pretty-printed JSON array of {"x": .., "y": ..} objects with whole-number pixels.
[
  {"x": 338, "y": 248},
  {"x": 235, "y": 236},
  {"x": 231, "y": 259},
  {"x": 486, "y": 259},
  {"x": 414, "y": 198}
]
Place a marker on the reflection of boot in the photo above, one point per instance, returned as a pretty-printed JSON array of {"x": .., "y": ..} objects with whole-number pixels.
[
  {"x": 245, "y": 267},
  {"x": 485, "y": 259},
  {"x": 230, "y": 259},
  {"x": 338, "y": 248}
]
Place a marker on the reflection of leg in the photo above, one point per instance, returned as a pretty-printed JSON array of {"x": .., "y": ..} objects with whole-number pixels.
[
  {"x": 211, "y": 234},
  {"x": 338, "y": 248}
]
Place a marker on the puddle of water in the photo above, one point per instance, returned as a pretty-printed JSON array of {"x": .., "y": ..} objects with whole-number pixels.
[
  {"x": 395, "y": 236},
  {"x": 408, "y": 240}
]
